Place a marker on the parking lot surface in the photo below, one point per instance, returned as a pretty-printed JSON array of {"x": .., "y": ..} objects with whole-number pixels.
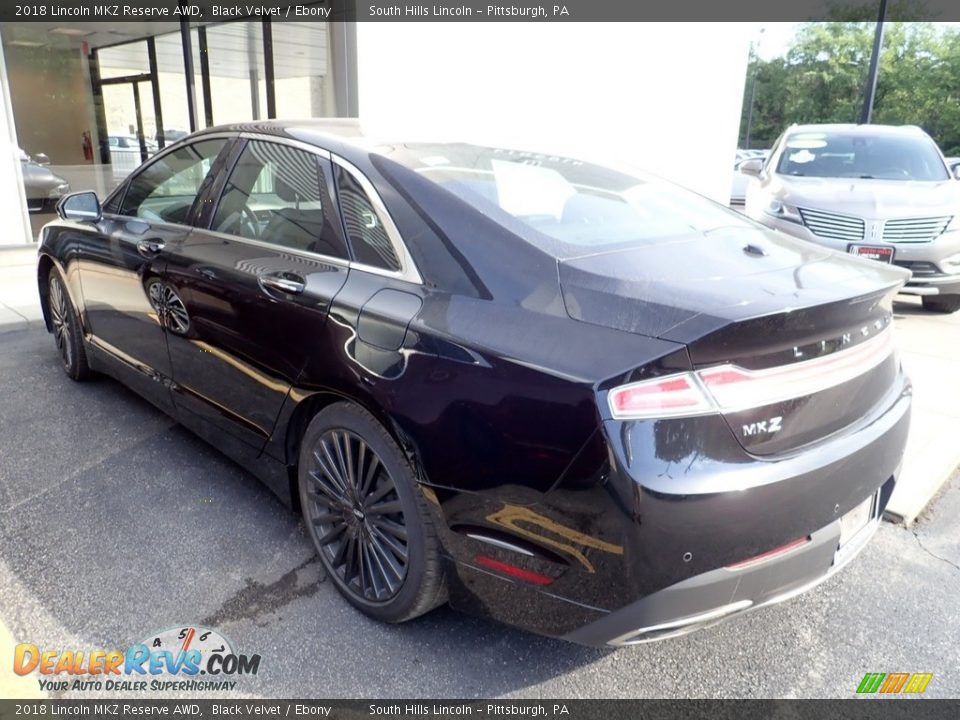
[{"x": 116, "y": 523}]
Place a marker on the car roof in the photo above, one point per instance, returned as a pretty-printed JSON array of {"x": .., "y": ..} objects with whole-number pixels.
[
  {"x": 855, "y": 129},
  {"x": 343, "y": 136}
]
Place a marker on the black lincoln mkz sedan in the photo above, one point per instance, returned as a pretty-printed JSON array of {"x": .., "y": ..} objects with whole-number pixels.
[{"x": 576, "y": 400}]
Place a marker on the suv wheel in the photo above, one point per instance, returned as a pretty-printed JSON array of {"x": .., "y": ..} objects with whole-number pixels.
[{"x": 941, "y": 303}]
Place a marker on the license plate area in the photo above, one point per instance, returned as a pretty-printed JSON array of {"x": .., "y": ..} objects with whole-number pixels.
[
  {"x": 880, "y": 253},
  {"x": 856, "y": 527}
]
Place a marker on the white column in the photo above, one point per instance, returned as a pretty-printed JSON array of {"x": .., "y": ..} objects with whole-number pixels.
[{"x": 13, "y": 201}]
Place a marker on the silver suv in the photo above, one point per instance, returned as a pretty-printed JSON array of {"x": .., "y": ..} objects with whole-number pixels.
[{"x": 877, "y": 191}]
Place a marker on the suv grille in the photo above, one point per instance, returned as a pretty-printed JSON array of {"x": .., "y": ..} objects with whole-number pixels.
[
  {"x": 833, "y": 225},
  {"x": 922, "y": 229}
]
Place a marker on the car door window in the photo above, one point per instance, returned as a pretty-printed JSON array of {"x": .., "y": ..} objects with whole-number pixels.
[
  {"x": 368, "y": 236},
  {"x": 165, "y": 190},
  {"x": 276, "y": 194}
]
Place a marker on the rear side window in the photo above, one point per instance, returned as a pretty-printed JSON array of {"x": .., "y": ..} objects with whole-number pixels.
[
  {"x": 165, "y": 190},
  {"x": 368, "y": 236},
  {"x": 276, "y": 194}
]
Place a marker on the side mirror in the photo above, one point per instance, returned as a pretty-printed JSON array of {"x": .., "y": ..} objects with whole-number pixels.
[
  {"x": 41, "y": 159},
  {"x": 80, "y": 206},
  {"x": 752, "y": 167},
  {"x": 955, "y": 171}
]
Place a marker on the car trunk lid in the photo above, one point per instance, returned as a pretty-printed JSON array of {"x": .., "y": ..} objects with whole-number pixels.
[{"x": 763, "y": 317}]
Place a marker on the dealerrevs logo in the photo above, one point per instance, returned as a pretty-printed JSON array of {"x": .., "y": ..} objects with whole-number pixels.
[{"x": 168, "y": 661}]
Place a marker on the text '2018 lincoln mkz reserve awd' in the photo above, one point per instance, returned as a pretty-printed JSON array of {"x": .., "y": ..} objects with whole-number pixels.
[{"x": 579, "y": 401}]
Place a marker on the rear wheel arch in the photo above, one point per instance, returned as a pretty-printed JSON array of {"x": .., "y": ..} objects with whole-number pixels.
[
  {"x": 330, "y": 506},
  {"x": 44, "y": 265},
  {"x": 311, "y": 406}
]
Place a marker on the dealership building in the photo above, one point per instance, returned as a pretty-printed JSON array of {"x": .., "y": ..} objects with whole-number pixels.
[{"x": 90, "y": 100}]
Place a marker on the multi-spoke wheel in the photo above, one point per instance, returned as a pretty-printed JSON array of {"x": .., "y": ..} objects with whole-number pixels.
[
  {"x": 367, "y": 517},
  {"x": 66, "y": 328}
]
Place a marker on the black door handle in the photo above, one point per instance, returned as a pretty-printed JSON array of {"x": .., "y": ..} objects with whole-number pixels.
[
  {"x": 284, "y": 282},
  {"x": 149, "y": 248}
]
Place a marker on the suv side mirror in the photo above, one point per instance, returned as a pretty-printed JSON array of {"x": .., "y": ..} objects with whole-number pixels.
[
  {"x": 752, "y": 167},
  {"x": 80, "y": 206},
  {"x": 955, "y": 171},
  {"x": 41, "y": 159}
]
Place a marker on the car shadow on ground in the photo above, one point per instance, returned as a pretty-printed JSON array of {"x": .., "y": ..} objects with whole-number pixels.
[
  {"x": 909, "y": 308},
  {"x": 117, "y": 523}
]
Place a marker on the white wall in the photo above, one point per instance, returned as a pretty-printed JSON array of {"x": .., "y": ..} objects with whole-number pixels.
[{"x": 665, "y": 97}]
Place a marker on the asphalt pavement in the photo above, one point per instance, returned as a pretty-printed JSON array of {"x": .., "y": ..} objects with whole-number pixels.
[{"x": 116, "y": 523}]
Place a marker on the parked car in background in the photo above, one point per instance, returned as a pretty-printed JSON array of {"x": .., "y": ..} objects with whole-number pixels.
[
  {"x": 743, "y": 153},
  {"x": 126, "y": 153},
  {"x": 41, "y": 185},
  {"x": 876, "y": 191},
  {"x": 170, "y": 136},
  {"x": 583, "y": 402},
  {"x": 132, "y": 142}
]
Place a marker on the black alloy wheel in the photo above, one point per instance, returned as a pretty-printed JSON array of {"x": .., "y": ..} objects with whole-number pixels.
[
  {"x": 65, "y": 326},
  {"x": 359, "y": 518},
  {"x": 367, "y": 517}
]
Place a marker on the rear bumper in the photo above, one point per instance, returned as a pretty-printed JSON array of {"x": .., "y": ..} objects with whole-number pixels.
[
  {"x": 642, "y": 530},
  {"x": 706, "y": 599}
]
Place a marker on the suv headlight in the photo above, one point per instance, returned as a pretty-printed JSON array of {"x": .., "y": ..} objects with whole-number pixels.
[
  {"x": 59, "y": 191},
  {"x": 783, "y": 211},
  {"x": 953, "y": 225}
]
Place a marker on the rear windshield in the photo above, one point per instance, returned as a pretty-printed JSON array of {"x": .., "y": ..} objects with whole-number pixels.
[
  {"x": 878, "y": 157},
  {"x": 574, "y": 207}
]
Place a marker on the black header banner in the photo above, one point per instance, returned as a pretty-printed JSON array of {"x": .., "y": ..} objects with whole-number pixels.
[
  {"x": 206, "y": 11},
  {"x": 119, "y": 709}
]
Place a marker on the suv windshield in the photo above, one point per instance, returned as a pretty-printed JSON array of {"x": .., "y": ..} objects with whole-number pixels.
[
  {"x": 573, "y": 206},
  {"x": 854, "y": 155}
]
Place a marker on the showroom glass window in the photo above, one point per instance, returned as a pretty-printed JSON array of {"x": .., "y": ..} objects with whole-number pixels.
[
  {"x": 165, "y": 190},
  {"x": 276, "y": 194},
  {"x": 368, "y": 237}
]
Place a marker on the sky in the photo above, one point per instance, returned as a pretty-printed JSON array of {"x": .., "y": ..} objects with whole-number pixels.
[{"x": 775, "y": 38}]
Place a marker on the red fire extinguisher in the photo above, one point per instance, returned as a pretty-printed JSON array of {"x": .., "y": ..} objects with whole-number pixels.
[{"x": 87, "y": 147}]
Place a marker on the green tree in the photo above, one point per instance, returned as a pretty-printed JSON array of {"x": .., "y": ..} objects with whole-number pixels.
[{"x": 823, "y": 74}]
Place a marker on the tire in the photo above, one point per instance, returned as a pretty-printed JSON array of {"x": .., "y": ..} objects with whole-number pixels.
[
  {"x": 941, "y": 303},
  {"x": 367, "y": 518},
  {"x": 65, "y": 324}
]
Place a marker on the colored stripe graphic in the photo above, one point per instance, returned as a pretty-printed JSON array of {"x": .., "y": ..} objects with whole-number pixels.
[
  {"x": 870, "y": 682},
  {"x": 918, "y": 682},
  {"x": 894, "y": 682}
]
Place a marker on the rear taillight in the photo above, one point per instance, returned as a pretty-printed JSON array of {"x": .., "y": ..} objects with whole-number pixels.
[
  {"x": 734, "y": 388},
  {"x": 671, "y": 396},
  {"x": 729, "y": 388}
]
